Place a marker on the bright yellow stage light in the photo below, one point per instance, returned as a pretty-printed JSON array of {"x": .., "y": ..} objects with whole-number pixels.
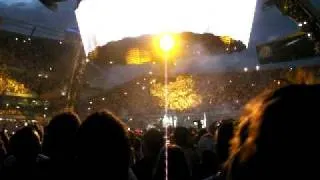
[
  {"x": 100, "y": 21},
  {"x": 166, "y": 42}
]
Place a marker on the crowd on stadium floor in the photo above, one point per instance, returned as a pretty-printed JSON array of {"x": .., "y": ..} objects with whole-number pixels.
[{"x": 274, "y": 138}]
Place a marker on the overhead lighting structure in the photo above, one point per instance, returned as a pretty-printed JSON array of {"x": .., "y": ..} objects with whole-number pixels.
[{"x": 127, "y": 18}]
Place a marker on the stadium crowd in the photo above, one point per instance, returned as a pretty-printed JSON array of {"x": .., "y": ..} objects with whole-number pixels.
[
  {"x": 228, "y": 90},
  {"x": 8, "y": 85},
  {"x": 275, "y": 138},
  {"x": 35, "y": 62}
]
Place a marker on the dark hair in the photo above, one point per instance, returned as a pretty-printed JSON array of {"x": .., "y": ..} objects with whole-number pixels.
[
  {"x": 177, "y": 165},
  {"x": 181, "y": 136},
  {"x": 224, "y": 135},
  {"x": 103, "y": 146},
  {"x": 60, "y": 135},
  {"x": 25, "y": 144},
  {"x": 153, "y": 142}
]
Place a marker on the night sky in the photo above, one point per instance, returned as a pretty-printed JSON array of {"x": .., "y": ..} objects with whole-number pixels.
[{"x": 268, "y": 25}]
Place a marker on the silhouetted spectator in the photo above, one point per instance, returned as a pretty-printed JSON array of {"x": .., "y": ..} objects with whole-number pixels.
[
  {"x": 201, "y": 133},
  {"x": 59, "y": 142},
  {"x": 224, "y": 136},
  {"x": 207, "y": 141},
  {"x": 282, "y": 136},
  {"x": 25, "y": 160},
  {"x": 103, "y": 148},
  {"x": 135, "y": 145},
  {"x": 177, "y": 167},
  {"x": 207, "y": 152},
  {"x": 152, "y": 144},
  {"x": 207, "y": 167},
  {"x": 182, "y": 137}
]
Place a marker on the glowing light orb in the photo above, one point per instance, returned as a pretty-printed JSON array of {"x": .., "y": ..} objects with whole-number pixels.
[
  {"x": 102, "y": 21},
  {"x": 166, "y": 42}
]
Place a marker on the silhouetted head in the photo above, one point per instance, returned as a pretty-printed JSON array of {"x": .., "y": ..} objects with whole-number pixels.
[
  {"x": 201, "y": 133},
  {"x": 25, "y": 144},
  {"x": 103, "y": 146},
  {"x": 60, "y": 135},
  {"x": 177, "y": 165},
  {"x": 212, "y": 128},
  {"x": 152, "y": 142},
  {"x": 182, "y": 137},
  {"x": 224, "y": 135},
  {"x": 277, "y": 136}
]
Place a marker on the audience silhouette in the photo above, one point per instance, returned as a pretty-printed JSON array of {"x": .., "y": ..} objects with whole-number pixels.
[
  {"x": 172, "y": 164},
  {"x": 152, "y": 143},
  {"x": 275, "y": 138},
  {"x": 103, "y": 149},
  {"x": 59, "y": 143}
]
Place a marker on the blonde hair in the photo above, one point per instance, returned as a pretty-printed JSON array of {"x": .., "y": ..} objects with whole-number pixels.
[{"x": 249, "y": 121}]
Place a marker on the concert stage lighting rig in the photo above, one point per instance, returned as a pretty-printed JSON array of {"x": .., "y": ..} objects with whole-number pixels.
[
  {"x": 303, "y": 44},
  {"x": 303, "y": 12}
]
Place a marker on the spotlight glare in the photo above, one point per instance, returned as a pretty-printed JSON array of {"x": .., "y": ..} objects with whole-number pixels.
[
  {"x": 63, "y": 93},
  {"x": 257, "y": 68},
  {"x": 166, "y": 42},
  {"x": 166, "y": 16}
]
